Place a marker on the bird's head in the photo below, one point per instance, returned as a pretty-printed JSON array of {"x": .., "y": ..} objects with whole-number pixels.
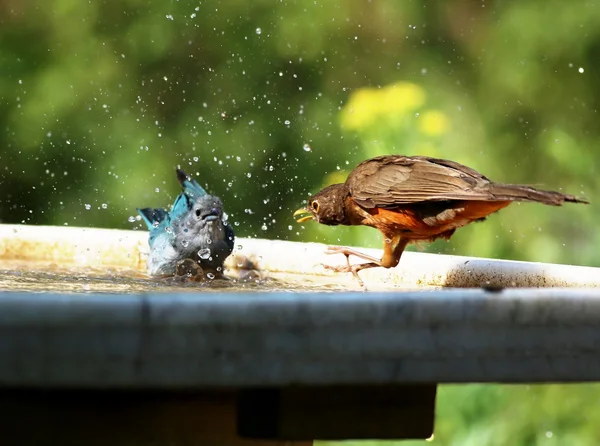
[
  {"x": 207, "y": 209},
  {"x": 326, "y": 207},
  {"x": 204, "y": 217}
]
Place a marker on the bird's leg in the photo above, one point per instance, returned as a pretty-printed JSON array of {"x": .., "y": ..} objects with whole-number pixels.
[
  {"x": 392, "y": 251},
  {"x": 350, "y": 252}
]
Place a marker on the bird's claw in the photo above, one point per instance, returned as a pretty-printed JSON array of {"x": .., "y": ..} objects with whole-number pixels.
[
  {"x": 346, "y": 269},
  {"x": 338, "y": 268}
]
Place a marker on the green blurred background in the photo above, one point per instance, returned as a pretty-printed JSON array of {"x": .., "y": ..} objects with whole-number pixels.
[{"x": 265, "y": 102}]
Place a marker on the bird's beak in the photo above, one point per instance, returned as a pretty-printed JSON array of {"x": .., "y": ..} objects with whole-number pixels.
[{"x": 301, "y": 211}]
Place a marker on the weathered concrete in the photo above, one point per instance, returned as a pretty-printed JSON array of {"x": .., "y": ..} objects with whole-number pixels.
[
  {"x": 242, "y": 340},
  {"x": 110, "y": 247}
]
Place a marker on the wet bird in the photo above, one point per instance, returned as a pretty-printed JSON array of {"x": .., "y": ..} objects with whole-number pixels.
[
  {"x": 195, "y": 229},
  {"x": 411, "y": 199}
]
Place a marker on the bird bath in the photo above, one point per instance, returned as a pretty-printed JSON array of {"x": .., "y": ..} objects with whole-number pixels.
[
  {"x": 286, "y": 350},
  {"x": 56, "y": 258}
]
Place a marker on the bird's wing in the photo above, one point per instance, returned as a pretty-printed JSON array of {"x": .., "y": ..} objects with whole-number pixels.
[
  {"x": 392, "y": 180},
  {"x": 157, "y": 220}
]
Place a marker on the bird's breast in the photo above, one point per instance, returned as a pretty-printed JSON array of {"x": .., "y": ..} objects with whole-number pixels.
[{"x": 424, "y": 221}]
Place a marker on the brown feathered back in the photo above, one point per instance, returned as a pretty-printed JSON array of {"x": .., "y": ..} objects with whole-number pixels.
[{"x": 403, "y": 180}]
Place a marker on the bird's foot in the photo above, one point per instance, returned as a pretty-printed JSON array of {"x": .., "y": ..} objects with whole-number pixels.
[
  {"x": 354, "y": 269},
  {"x": 348, "y": 268}
]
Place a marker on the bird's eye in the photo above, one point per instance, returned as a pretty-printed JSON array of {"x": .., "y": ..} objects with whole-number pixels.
[
  {"x": 198, "y": 212},
  {"x": 315, "y": 206}
]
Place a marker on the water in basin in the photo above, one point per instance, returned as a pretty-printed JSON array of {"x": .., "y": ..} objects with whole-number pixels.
[{"x": 44, "y": 276}]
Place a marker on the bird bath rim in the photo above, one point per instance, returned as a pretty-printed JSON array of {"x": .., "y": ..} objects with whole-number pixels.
[{"x": 127, "y": 249}]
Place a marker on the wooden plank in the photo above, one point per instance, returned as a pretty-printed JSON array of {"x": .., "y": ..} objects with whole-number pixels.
[
  {"x": 338, "y": 412},
  {"x": 124, "y": 418}
]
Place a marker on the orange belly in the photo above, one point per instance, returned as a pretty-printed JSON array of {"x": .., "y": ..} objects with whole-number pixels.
[{"x": 411, "y": 222}]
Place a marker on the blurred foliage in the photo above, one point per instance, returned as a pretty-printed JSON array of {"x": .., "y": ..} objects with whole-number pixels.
[
  {"x": 517, "y": 415},
  {"x": 265, "y": 102}
]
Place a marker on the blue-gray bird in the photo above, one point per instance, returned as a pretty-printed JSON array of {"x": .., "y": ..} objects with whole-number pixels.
[{"x": 196, "y": 228}]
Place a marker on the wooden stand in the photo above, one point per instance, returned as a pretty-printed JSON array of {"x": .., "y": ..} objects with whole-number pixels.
[{"x": 265, "y": 417}]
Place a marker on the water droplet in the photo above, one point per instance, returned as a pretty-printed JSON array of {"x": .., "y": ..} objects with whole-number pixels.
[
  {"x": 258, "y": 31},
  {"x": 131, "y": 219},
  {"x": 287, "y": 122},
  {"x": 104, "y": 206},
  {"x": 306, "y": 148},
  {"x": 204, "y": 253},
  {"x": 240, "y": 247},
  {"x": 185, "y": 243},
  {"x": 211, "y": 276},
  {"x": 88, "y": 207},
  {"x": 155, "y": 224}
]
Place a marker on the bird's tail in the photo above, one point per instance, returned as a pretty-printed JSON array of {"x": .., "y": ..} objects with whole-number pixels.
[
  {"x": 152, "y": 217},
  {"x": 191, "y": 192},
  {"x": 190, "y": 187},
  {"x": 520, "y": 192}
]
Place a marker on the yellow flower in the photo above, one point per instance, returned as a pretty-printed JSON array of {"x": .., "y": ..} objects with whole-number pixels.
[
  {"x": 362, "y": 109},
  {"x": 402, "y": 97},
  {"x": 433, "y": 123},
  {"x": 367, "y": 105}
]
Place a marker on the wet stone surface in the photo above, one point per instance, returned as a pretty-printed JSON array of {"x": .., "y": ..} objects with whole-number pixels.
[{"x": 27, "y": 276}]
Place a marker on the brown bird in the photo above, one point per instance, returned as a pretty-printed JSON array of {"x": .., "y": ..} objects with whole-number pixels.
[{"x": 414, "y": 198}]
